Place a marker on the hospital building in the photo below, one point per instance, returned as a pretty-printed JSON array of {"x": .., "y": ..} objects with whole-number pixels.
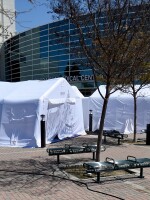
[{"x": 36, "y": 54}]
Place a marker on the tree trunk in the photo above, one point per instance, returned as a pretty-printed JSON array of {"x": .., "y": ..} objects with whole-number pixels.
[
  {"x": 135, "y": 117},
  {"x": 101, "y": 127}
]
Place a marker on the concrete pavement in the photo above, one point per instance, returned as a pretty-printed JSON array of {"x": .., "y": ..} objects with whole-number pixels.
[{"x": 32, "y": 174}]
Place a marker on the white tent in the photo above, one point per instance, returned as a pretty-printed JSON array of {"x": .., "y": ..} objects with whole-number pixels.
[
  {"x": 23, "y": 103},
  {"x": 77, "y": 91},
  {"x": 120, "y": 110}
]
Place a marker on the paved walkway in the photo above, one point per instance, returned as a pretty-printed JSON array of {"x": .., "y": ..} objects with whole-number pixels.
[{"x": 32, "y": 174}]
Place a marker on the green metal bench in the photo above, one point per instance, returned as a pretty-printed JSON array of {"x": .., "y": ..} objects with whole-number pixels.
[
  {"x": 110, "y": 165},
  {"x": 114, "y": 134},
  {"x": 72, "y": 149}
]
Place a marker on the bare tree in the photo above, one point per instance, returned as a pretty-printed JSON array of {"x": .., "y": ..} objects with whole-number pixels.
[
  {"x": 139, "y": 78},
  {"x": 107, "y": 31},
  {"x": 139, "y": 71}
]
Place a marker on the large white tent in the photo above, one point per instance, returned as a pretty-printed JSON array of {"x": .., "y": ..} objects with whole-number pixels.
[
  {"x": 77, "y": 91},
  {"x": 120, "y": 110},
  {"x": 23, "y": 103}
]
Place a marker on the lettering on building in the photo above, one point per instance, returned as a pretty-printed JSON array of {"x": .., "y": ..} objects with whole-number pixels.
[
  {"x": 75, "y": 78},
  {"x": 79, "y": 78}
]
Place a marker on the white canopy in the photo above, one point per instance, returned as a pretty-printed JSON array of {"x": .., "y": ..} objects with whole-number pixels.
[
  {"x": 23, "y": 103},
  {"x": 120, "y": 110},
  {"x": 77, "y": 91}
]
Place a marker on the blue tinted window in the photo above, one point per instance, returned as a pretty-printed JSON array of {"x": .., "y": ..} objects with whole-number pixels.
[
  {"x": 63, "y": 68},
  {"x": 53, "y": 42},
  {"x": 74, "y": 32},
  {"x": 36, "y": 56},
  {"x": 22, "y": 59},
  {"x": 74, "y": 38},
  {"x": 61, "y": 57},
  {"x": 64, "y": 63},
  {"x": 59, "y": 29},
  {"x": 43, "y": 27},
  {"x": 25, "y": 78},
  {"x": 35, "y": 67},
  {"x": 44, "y": 49},
  {"x": 43, "y": 44},
  {"x": 40, "y": 71},
  {"x": 42, "y": 33},
  {"x": 35, "y": 62},
  {"x": 44, "y": 38},
  {"x": 23, "y": 34},
  {"x": 58, "y": 23},
  {"x": 40, "y": 76},
  {"x": 52, "y": 36},
  {"x": 35, "y": 35},
  {"x": 57, "y": 46},
  {"x": 54, "y": 75},
  {"x": 54, "y": 24},
  {"x": 34, "y": 30},
  {"x": 72, "y": 26},
  {"x": 26, "y": 73},
  {"x": 36, "y": 40},
  {"x": 43, "y": 55},
  {"x": 58, "y": 52}
]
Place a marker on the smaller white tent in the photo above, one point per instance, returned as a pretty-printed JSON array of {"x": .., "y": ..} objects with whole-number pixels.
[
  {"x": 120, "y": 110},
  {"x": 23, "y": 103}
]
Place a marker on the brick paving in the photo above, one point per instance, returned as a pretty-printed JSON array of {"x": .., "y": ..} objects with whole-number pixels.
[{"x": 31, "y": 174}]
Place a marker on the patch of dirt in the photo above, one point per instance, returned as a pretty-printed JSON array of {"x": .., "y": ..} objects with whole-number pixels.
[
  {"x": 130, "y": 141},
  {"x": 80, "y": 172}
]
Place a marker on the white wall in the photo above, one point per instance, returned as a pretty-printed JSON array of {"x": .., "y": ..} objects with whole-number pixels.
[{"x": 7, "y": 23}]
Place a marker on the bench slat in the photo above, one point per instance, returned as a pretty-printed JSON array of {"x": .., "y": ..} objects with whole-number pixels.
[
  {"x": 68, "y": 149},
  {"x": 114, "y": 134},
  {"x": 111, "y": 164}
]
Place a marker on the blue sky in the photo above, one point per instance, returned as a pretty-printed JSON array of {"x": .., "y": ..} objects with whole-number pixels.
[{"x": 32, "y": 16}]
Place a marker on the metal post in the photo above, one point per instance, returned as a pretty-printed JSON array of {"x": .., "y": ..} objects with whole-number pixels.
[
  {"x": 93, "y": 155},
  {"x": 104, "y": 138},
  {"x": 43, "y": 131},
  {"x": 58, "y": 162},
  {"x": 90, "y": 120},
  {"x": 148, "y": 135},
  {"x": 98, "y": 177},
  {"x": 141, "y": 173}
]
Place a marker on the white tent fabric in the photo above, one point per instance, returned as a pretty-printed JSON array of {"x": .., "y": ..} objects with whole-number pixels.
[
  {"x": 23, "y": 103},
  {"x": 77, "y": 91},
  {"x": 120, "y": 110}
]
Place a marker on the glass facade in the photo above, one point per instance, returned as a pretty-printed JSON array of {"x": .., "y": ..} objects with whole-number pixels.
[
  {"x": 53, "y": 50},
  {"x": 45, "y": 52}
]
